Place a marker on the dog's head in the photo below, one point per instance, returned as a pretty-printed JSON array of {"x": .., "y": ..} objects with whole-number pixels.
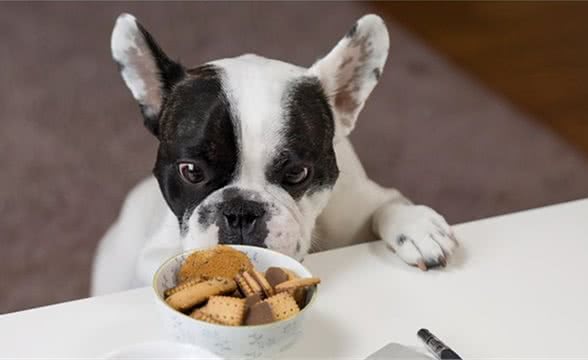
[{"x": 246, "y": 144}]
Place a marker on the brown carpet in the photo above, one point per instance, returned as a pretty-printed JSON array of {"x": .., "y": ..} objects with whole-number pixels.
[{"x": 72, "y": 143}]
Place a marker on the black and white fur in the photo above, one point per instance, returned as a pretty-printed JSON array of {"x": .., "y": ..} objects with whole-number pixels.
[{"x": 255, "y": 151}]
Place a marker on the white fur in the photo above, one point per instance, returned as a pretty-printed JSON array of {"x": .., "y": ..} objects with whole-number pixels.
[
  {"x": 130, "y": 51},
  {"x": 337, "y": 69},
  {"x": 355, "y": 210},
  {"x": 254, "y": 86}
]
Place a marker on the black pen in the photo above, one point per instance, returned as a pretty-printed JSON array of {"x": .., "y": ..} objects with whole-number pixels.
[{"x": 436, "y": 346}]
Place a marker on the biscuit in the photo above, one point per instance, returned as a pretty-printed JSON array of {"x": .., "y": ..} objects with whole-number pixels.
[
  {"x": 200, "y": 292},
  {"x": 243, "y": 285},
  {"x": 200, "y": 315},
  {"x": 260, "y": 313},
  {"x": 300, "y": 297},
  {"x": 221, "y": 261},
  {"x": 251, "y": 300},
  {"x": 182, "y": 286},
  {"x": 255, "y": 286},
  {"x": 276, "y": 275},
  {"x": 226, "y": 310},
  {"x": 283, "y": 306},
  {"x": 292, "y": 285},
  {"x": 267, "y": 289},
  {"x": 248, "y": 285}
]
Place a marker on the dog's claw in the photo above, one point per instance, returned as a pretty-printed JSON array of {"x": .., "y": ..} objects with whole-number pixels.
[
  {"x": 421, "y": 265},
  {"x": 442, "y": 261}
]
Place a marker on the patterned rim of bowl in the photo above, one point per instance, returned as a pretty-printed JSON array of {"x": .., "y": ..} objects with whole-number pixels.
[{"x": 159, "y": 298}]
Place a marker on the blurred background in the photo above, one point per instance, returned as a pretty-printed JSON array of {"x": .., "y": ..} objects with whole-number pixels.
[{"x": 481, "y": 110}]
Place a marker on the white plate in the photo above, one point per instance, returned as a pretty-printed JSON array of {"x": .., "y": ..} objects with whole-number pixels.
[{"x": 160, "y": 350}]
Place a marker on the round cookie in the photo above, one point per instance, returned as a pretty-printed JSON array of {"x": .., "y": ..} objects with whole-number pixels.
[
  {"x": 221, "y": 261},
  {"x": 183, "y": 286},
  {"x": 276, "y": 275}
]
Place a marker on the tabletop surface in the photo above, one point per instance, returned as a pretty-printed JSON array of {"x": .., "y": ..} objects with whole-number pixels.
[{"x": 517, "y": 288}]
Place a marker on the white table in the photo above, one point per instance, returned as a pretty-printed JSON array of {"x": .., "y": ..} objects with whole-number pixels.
[{"x": 518, "y": 288}]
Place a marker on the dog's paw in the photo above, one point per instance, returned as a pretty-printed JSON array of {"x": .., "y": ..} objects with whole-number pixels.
[{"x": 419, "y": 235}]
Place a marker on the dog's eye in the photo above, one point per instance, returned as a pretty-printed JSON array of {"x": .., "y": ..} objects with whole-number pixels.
[
  {"x": 296, "y": 175},
  {"x": 191, "y": 173}
]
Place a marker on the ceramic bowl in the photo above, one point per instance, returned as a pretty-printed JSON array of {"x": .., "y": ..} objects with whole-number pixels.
[{"x": 232, "y": 341}]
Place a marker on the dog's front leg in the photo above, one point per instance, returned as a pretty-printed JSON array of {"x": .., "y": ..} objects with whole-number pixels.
[{"x": 418, "y": 234}]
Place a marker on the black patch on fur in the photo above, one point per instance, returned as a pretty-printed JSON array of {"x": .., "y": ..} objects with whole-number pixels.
[
  {"x": 170, "y": 73},
  {"x": 352, "y": 31},
  {"x": 308, "y": 139},
  {"x": 207, "y": 213},
  {"x": 401, "y": 239},
  {"x": 196, "y": 126}
]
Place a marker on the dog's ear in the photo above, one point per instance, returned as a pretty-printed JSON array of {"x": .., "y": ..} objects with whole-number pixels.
[
  {"x": 350, "y": 71},
  {"x": 145, "y": 68}
]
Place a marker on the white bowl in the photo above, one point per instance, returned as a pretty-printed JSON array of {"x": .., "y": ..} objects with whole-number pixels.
[{"x": 232, "y": 341}]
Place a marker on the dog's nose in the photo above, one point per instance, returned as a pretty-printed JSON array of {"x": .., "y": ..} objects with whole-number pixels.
[
  {"x": 243, "y": 222},
  {"x": 241, "y": 216}
]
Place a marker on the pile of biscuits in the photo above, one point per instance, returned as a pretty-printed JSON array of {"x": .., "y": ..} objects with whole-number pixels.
[{"x": 221, "y": 286}]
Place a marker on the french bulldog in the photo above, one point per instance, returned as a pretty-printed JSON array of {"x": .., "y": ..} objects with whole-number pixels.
[{"x": 255, "y": 151}]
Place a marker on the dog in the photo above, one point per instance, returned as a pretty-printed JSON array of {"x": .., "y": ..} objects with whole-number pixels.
[{"x": 255, "y": 151}]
